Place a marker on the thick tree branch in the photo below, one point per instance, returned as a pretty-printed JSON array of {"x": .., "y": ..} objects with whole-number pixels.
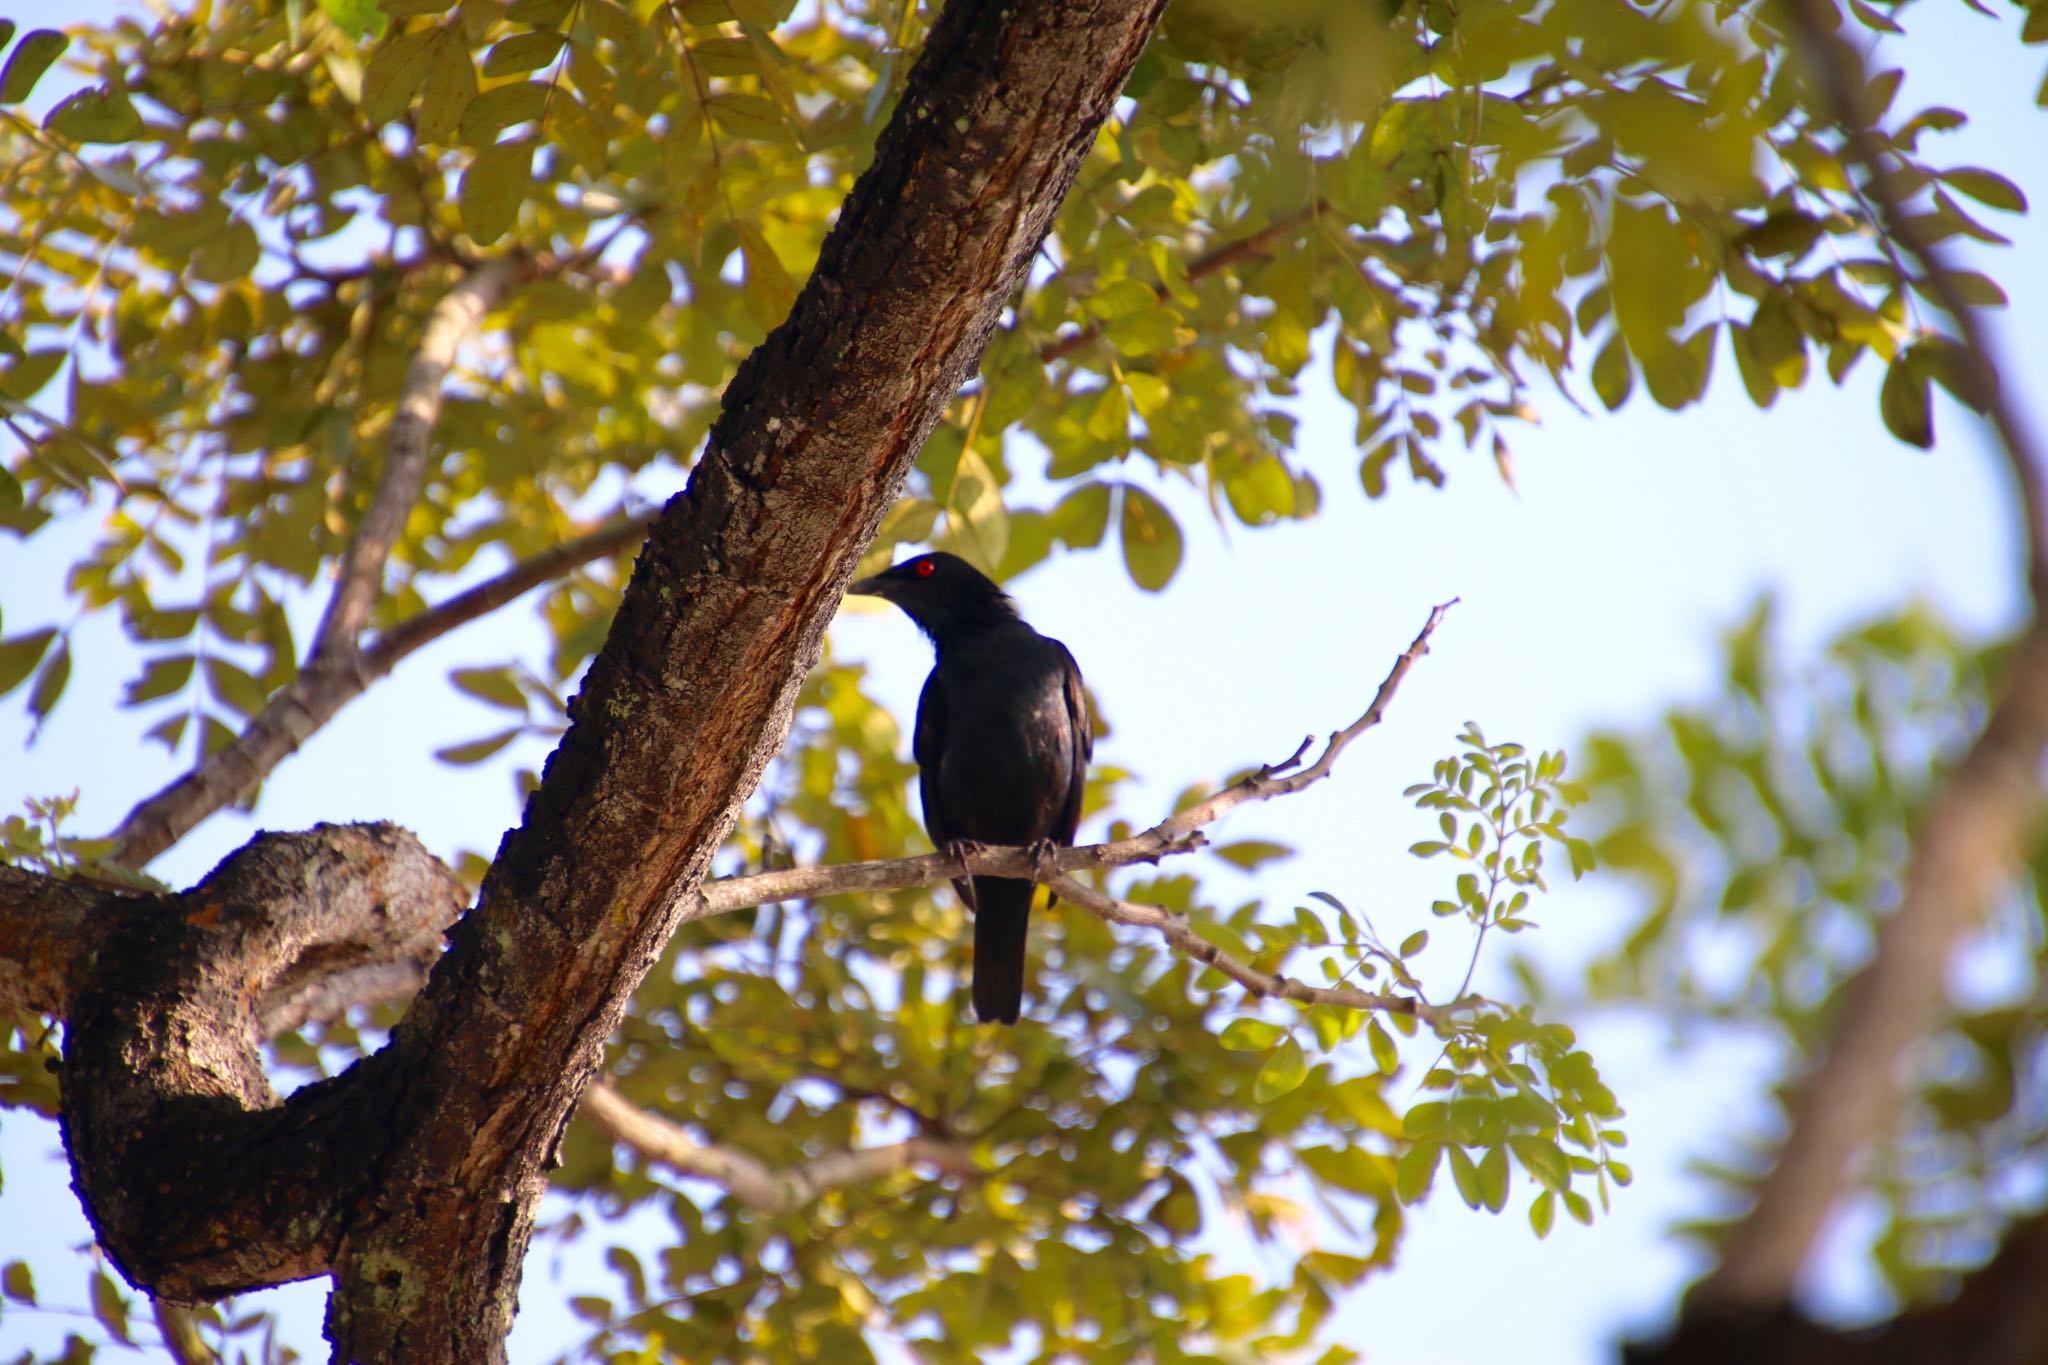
[
  {"x": 1972, "y": 834},
  {"x": 48, "y": 938},
  {"x": 762, "y": 1188},
  {"x": 162, "y": 1053},
  {"x": 328, "y": 683},
  {"x": 1998, "y": 1316},
  {"x": 361, "y": 577}
]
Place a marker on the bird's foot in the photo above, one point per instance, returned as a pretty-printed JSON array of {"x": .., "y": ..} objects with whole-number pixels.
[
  {"x": 966, "y": 850},
  {"x": 1042, "y": 852}
]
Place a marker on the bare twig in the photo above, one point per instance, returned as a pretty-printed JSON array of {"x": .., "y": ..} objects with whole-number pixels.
[
  {"x": 298, "y": 710},
  {"x": 1974, "y": 830},
  {"x": 1180, "y": 933},
  {"x": 762, "y": 1188}
]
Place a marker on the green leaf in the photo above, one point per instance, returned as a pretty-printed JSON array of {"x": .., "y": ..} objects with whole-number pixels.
[
  {"x": 1543, "y": 1213},
  {"x": 394, "y": 73},
  {"x": 1613, "y": 376},
  {"x": 1903, "y": 403},
  {"x": 1178, "y": 1211},
  {"x": 1789, "y": 233},
  {"x": 10, "y": 494},
  {"x": 1151, "y": 539},
  {"x": 477, "y": 750},
  {"x": 228, "y": 255},
  {"x": 96, "y": 114},
  {"x": 359, "y": 19},
  {"x": 110, "y": 1307},
  {"x": 1283, "y": 1071},
  {"x": 769, "y": 289},
  {"x": 1493, "y": 1179},
  {"x": 1415, "y": 1172},
  {"x": 20, "y": 655},
  {"x": 31, "y": 371},
  {"x": 1262, "y": 494},
  {"x": 49, "y": 683},
  {"x": 495, "y": 686},
  {"x": 27, "y": 63},
  {"x": 1543, "y": 1159},
  {"x": 17, "y": 1283},
  {"x": 160, "y": 678},
  {"x": 1465, "y": 1174},
  {"x": 449, "y": 86},
  {"x": 1355, "y": 1169},
  {"x": 1109, "y": 416},
  {"x": 539, "y": 13},
  {"x": 1249, "y": 1035},
  {"x": 523, "y": 52},
  {"x": 1082, "y": 516},
  {"x": 235, "y": 687},
  {"x": 1986, "y": 187},
  {"x": 1428, "y": 1119},
  {"x": 494, "y": 187},
  {"x": 1414, "y": 943},
  {"x": 1385, "y": 1055},
  {"x": 498, "y": 108},
  {"x": 749, "y": 116},
  {"x": 977, "y": 526},
  {"x": 1372, "y": 470},
  {"x": 1249, "y": 854}
]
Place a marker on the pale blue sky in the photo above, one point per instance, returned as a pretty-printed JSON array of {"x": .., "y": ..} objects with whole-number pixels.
[{"x": 1592, "y": 596}]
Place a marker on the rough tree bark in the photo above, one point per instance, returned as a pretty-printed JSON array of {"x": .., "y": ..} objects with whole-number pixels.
[{"x": 413, "y": 1177}]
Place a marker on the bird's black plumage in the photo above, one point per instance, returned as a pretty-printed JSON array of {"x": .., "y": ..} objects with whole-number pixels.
[{"x": 1002, "y": 746}]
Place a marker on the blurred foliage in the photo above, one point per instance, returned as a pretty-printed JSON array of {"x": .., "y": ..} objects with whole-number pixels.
[
  {"x": 222, "y": 236},
  {"x": 1768, "y": 829}
]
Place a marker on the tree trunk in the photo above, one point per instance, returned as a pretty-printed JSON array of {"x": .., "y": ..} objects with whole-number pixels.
[{"x": 414, "y": 1176}]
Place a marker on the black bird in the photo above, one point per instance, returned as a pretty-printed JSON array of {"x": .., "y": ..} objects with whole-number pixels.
[{"x": 1002, "y": 747}]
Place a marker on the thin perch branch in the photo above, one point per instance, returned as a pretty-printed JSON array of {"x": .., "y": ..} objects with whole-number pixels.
[{"x": 1973, "y": 832}]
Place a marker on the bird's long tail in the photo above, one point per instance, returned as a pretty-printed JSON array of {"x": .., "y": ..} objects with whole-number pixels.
[{"x": 1002, "y": 920}]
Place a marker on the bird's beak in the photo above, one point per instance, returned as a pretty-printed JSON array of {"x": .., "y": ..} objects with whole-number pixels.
[{"x": 876, "y": 586}]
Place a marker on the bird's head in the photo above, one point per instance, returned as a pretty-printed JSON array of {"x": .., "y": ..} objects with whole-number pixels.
[{"x": 943, "y": 593}]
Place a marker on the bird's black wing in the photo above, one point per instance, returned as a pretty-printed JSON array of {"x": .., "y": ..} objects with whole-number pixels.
[
  {"x": 928, "y": 747},
  {"x": 1082, "y": 747}
]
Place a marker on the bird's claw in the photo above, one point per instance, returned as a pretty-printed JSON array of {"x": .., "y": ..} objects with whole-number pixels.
[
  {"x": 1042, "y": 852},
  {"x": 966, "y": 850}
]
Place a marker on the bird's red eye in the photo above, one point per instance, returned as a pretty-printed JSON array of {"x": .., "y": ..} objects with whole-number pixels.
[{"x": 925, "y": 568}]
